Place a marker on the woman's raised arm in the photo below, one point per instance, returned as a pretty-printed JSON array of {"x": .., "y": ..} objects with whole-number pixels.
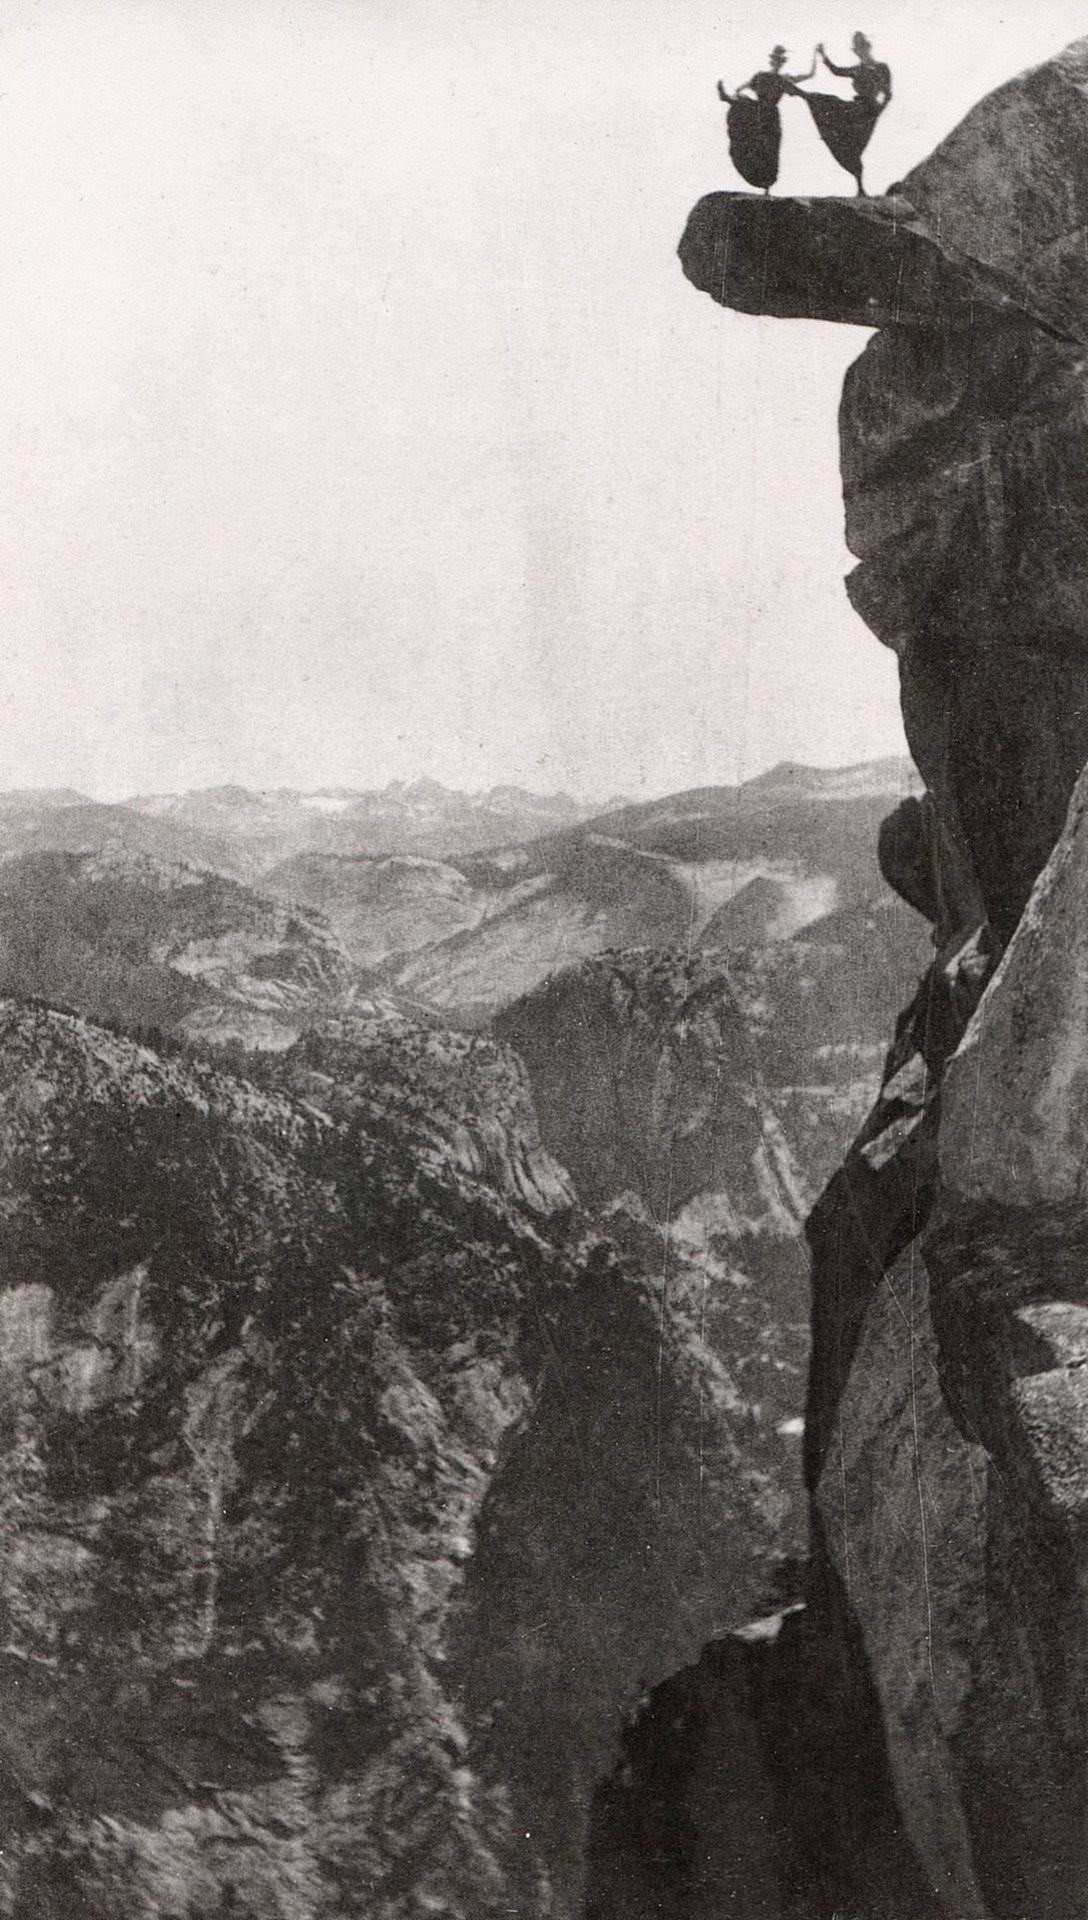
[{"x": 844, "y": 73}]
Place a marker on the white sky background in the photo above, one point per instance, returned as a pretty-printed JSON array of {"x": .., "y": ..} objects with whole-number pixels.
[{"x": 357, "y": 421}]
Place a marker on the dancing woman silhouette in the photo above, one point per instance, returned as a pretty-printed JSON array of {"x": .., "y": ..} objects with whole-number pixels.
[
  {"x": 845, "y": 126},
  {"x": 754, "y": 126}
]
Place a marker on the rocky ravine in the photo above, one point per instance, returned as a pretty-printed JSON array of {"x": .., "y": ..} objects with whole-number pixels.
[
  {"x": 701, "y": 1103},
  {"x": 573, "y": 1458},
  {"x": 946, "y": 1435},
  {"x": 354, "y": 1489}
]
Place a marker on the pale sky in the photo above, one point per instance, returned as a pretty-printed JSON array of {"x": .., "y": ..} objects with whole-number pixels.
[{"x": 358, "y": 423}]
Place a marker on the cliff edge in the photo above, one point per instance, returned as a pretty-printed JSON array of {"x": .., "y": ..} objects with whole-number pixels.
[{"x": 945, "y": 1435}]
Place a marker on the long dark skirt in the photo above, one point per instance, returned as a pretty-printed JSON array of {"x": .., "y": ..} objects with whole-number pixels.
[
  {"x": 755, "y": 136},
  {"x": 844, "y": 126}
]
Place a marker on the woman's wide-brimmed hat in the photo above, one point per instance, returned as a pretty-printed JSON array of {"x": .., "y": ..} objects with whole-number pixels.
[{"x": 778, "y": 53}]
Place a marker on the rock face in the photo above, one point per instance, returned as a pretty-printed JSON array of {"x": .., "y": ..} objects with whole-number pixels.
[
  {"x": 947, "y": 1420},
  {"x": 964, "y": 446},
  {"x": 1010, "y": 1308},
  {"x": 727, "y": 1079},
  {"x": 870, "y": 262},
  {"x": 353, "y": 1490},
  {"x": 700, "y": 1103},
  {"x": 945, "y": 1433}
]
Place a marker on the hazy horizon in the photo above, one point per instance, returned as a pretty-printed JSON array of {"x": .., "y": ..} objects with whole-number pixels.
[
  {"x": 365, "y": 427},
  {"x": 471, "y": 791}
]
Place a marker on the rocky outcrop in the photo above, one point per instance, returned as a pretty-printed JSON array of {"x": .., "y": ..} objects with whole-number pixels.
[
  {"x": 712, "y": 1093},
  {"x": 963, "y": 476},
  {"x": 717, "y": 1079},
  {"x": 963, "y": 429},
  {"x": 352, "y": 1490},
  {"x": 946, "y": 1432},
  {"x": 1006, "y": 193},
  {"x": 460, "y": 1099},
  {"x": 747, "y": 1786},
  {"x": 945, "y": 1425},
  {"x": 1010, "y": 1307},
  {"x": 871, "y": 263}
]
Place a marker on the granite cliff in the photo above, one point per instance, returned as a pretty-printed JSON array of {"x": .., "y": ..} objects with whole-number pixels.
[
  {"x": 355, "y": 1487},
  {"x": 945, "y": 1435}
]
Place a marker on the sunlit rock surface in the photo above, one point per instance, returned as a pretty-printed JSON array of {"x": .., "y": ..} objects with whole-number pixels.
[{"x": 1006, "y": 193}]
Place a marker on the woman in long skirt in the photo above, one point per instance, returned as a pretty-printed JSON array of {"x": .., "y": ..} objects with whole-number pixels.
[
  {"x": 754, "y": 124},
  {"x": 846, "y": 126}
]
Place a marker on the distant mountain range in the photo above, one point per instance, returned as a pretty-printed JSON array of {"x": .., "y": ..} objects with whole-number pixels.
[
  {"x": 233, "y": 829},
  {"x": 454, "y": 904},
  {"x": 246, "y": 832},
  {"x": 717, "y": 867},
  {"x": 421, "y": 817}
]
